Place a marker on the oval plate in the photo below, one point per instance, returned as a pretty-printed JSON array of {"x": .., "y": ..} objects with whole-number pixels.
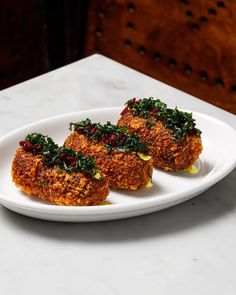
[{"x": 216, "y": 161}]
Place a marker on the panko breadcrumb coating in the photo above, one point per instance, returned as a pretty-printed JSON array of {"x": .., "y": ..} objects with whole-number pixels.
[
  {"x": 169, "y": 153},
  {"x": 35, "y": 178},
  {"x": 124, "y": 170}
]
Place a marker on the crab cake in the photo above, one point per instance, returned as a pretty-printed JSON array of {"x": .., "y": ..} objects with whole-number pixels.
[
  {"x": 120, "y": 156},
  {"x": 42, "y": 169},
  {"x": 171, "y": 135}
]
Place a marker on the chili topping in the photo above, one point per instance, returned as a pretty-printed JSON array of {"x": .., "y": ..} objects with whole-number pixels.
[
  {"x": 113, "y": 137},
  {"x": 54, "y": 155},
  {"x": 179, "y": 122}
]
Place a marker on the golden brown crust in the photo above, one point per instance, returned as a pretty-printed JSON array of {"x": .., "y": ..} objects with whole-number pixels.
[
  {"x": 59, "y": 187},
  {"x": 168, "y": 154},
  {"x": 122, "y": 170}
]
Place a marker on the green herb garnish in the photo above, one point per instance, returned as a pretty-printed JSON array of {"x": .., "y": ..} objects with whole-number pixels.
[
  {"x": 114, "y": 138},
  {"x": 149, "y": 123},
  {"x": 62, "y": 157},
  {"x": 179, "y": 122}
]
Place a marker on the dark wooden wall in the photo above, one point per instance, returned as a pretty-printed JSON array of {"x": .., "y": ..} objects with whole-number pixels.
[
  {"x": 189, "y": 44},
  {"x": 37, "y": 36},
  {"x": 23, "y": 47}
]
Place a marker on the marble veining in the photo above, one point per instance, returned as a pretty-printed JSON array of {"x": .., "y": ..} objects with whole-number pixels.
[{"x": 186, "y": 249}]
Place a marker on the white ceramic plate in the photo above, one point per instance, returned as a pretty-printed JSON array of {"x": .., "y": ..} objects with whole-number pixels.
[{"x": 217, "y": 160}]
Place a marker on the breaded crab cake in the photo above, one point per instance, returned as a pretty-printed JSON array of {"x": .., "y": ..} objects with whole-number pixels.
[
  {"x": 120, "y": 156},
  {"x": 171, "y": 135},
  {"x": 42, "y": 169}
]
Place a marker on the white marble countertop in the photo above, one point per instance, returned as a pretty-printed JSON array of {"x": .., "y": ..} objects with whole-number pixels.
[{"x": 187, "y": 249}]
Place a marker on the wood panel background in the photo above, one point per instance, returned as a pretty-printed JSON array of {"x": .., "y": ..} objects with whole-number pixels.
[
  {"x": 37, "y": 36},
  {"x": 23, "y": 44},
  {"x": 189, "y": 44}
]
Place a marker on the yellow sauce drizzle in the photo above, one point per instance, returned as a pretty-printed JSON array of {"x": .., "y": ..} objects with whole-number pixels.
[{"x": 192, "y": 169}]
